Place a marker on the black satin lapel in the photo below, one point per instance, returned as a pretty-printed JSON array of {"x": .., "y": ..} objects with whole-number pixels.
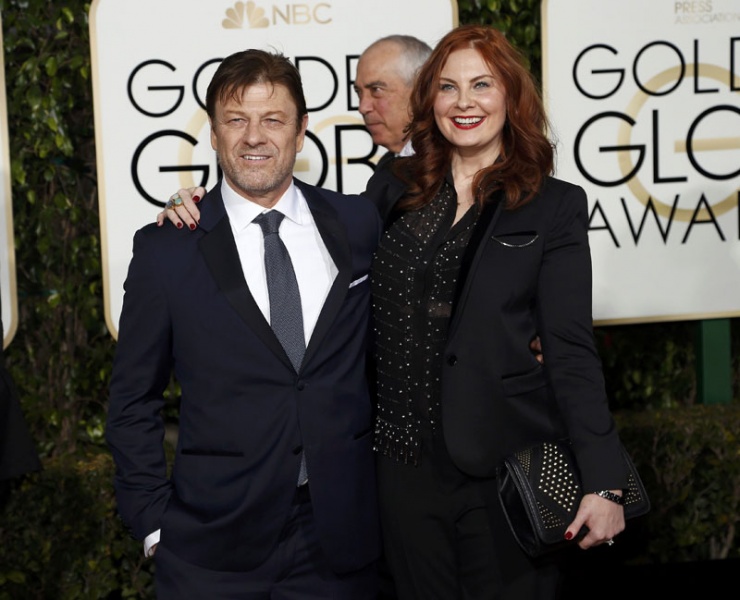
[
  {"x": 334, "y": 235},
  {"x": 221, "y": 256},
  {"x": 487, "y": 219}
]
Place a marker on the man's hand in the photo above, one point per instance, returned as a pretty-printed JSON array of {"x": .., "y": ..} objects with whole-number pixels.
[{"x": 181, "y": 208}]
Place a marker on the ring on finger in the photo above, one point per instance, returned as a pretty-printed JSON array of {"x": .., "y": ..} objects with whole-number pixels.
[
  {"x": 169, "y": 205},
  {"x": 177, "y": 200},
  {"x": 609, "y": 542}
]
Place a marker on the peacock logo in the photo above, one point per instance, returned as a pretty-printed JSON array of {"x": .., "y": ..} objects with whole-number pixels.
[{"x": 245, "y": 12}]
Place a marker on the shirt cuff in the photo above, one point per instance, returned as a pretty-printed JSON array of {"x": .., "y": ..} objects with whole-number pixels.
[{"x": 149, "y": 542}]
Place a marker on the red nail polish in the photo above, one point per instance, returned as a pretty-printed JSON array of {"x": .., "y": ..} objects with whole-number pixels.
[
  {"x": 179, "y": 225},
  {"x": 196, "y": 198},
  {"x": 568, "y": 535},
  {"x": 192, "y": 226}
]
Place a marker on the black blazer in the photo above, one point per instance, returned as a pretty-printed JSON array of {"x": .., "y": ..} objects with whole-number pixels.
[
  {"x": 245, "y": 414},
  {"x": 525, "y": 273}
]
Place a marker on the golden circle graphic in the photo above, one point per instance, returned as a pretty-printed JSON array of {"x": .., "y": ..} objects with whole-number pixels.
[{"x": 624, "y": 132}]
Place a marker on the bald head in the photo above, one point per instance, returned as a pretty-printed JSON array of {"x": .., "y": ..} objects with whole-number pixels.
[
  {"x": 409, "y": 52},
  {"x": 384, "y": 80}
]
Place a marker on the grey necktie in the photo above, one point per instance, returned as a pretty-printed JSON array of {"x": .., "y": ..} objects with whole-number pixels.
[{"x": 286, "y": 316}]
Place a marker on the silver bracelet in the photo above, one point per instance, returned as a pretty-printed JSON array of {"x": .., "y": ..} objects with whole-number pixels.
[{"x": 611, "y": 496}]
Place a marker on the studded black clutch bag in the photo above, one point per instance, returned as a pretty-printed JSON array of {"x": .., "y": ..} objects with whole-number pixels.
[{"x": 540, "y": 491}]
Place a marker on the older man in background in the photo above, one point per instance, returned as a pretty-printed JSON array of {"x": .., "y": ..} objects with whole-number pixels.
[{"x": 385, "y": 77}]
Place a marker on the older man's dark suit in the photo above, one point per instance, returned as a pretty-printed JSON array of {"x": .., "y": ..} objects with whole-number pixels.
[{"x": 245, "y": 414}]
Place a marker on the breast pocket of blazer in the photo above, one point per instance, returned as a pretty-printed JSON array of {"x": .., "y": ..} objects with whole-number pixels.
[{"x": 516, "y": 239}]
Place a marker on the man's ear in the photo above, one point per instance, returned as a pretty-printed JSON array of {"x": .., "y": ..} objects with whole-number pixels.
[
  {"x": 301, "y": 137},
  {"x": 213, "y": 133}
]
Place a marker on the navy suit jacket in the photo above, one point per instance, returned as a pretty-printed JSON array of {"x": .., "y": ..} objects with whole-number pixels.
[{"x": 245, "y": 415}]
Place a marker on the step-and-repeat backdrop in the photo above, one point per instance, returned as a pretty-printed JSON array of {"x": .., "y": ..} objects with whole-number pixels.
[
  {"x": 645, "y": 101},
  {"x": 644, "y": 98},
  {"x": 152, "y": 62},
  {"x": 8, "y": 300}
]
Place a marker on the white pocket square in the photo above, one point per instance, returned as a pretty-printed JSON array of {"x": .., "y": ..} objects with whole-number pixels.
[{"x": 358, "y": 281}]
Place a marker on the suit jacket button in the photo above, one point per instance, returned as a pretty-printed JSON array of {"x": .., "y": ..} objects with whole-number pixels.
[
  {"x": 297, "y": 450},
  {"x": 452, "y": 360},
  {"x": 300, "y": 386}
]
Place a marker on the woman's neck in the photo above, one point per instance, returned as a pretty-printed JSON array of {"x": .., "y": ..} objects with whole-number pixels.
[{"x": 465, "y": 166}]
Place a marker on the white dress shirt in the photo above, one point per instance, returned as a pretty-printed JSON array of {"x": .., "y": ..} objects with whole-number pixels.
[
  {"x": 313, "y": 266},
  {"x": 407, "y": 150}
]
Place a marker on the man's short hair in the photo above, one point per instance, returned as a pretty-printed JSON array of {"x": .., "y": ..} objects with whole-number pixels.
[
  {"x": 414, "y": 53},
  {"x": 251, "y": 67}
]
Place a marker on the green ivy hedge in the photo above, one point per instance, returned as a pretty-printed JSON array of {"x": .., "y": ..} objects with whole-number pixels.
[
  {"x": 689, "y": 461},
  {"x": 61, "y": 355},
  {"x": 60, "y": 537}
]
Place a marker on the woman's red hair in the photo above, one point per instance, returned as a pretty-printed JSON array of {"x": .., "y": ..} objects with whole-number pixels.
[{"x": 527, "y": 154}]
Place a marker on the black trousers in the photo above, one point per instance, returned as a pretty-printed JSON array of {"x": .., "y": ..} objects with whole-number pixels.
[{"x": 446, "y": 538}]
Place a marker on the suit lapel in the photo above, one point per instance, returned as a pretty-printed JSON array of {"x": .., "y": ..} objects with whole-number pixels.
[
  {"x": 482, "y": 231},
  {"x": 222, "y": 258},
  {"x": 334, "y": 235}
]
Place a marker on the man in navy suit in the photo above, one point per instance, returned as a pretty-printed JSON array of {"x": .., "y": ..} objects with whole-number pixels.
[{"x": 236, "y": 518}]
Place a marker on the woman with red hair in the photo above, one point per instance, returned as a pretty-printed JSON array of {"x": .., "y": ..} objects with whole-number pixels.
[{"x": 483, "y": 251}]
